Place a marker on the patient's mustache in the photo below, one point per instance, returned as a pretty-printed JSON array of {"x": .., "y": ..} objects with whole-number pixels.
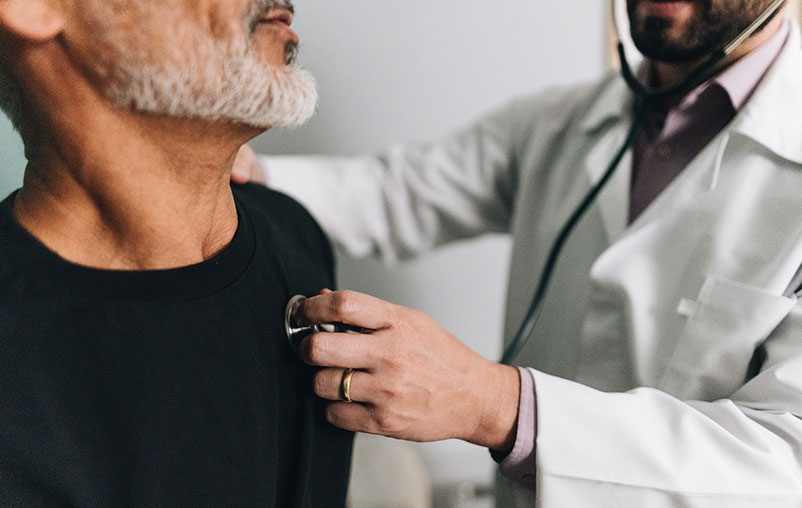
[
  {"x": 265, "y": 6},
  {"x": 258, "y": 8}
]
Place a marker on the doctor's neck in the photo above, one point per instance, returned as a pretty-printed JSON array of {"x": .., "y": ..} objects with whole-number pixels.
[{"x": 670, "y": 73}]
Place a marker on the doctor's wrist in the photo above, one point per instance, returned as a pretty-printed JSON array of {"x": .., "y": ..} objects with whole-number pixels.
[{"x": 498, "y": 388}]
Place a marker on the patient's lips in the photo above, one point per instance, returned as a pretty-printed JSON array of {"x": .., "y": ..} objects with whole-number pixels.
[
  {"x": 282, "y": 16},
  {"x": 280, "y": 19}
]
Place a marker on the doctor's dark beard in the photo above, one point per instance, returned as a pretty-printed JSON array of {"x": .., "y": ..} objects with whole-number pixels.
[{"x": 715, "y": 24}]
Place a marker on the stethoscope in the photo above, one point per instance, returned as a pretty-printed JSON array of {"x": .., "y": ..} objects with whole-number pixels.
[
  {"x": 645, "y": 99},
  {"x": 296, "y": 332}
]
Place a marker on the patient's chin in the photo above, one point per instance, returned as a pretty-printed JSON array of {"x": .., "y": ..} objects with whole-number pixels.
[{"x": 291, "y": 101}]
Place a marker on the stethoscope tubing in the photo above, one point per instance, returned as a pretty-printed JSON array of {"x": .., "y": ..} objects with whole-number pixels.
[{"x": 536, "y": 306}]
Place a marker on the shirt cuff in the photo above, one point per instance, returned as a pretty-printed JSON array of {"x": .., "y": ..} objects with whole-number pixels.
[{"x": 519, "y": 465}]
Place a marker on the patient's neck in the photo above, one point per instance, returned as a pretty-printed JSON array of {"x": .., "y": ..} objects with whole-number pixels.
[{"x": 143, "y": 193}]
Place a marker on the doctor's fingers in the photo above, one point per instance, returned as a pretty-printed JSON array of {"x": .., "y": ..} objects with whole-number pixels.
[
  {"x": 378, "y": 390},
  {"x": 349, "y": 307},
  {"x": 345, "y": 350},
  {"x": 382, "y": 421},
  {"x": 247, "y": 167},
  {"x": 362, "y": 387},
  {"x": 353, "y": 417}
]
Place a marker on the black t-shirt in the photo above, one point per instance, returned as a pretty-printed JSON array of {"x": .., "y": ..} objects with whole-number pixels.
[{"x": 171, "y": 388}]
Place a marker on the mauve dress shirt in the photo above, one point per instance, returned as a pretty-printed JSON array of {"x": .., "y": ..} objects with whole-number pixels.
[{"x": 669, "y": 141}]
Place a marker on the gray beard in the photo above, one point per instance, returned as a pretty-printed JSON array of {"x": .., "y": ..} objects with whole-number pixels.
[
  {"x": 233, "y": 86},
  {"x": 218, "y": 82}
]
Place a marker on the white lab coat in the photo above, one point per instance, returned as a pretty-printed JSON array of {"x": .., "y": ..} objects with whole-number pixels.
[{"x": 640, "y": 359}]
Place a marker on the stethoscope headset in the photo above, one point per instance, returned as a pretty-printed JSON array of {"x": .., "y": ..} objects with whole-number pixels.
[{"x": 645, "y": 99}]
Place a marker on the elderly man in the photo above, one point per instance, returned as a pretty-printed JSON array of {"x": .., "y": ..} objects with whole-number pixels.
[{"x": 132, "y": 370}]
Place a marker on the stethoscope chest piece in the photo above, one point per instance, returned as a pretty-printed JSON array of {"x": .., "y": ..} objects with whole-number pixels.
[{"x": 296, "y": 333}]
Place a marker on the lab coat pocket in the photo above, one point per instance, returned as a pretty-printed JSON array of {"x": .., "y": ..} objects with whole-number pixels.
[{"x": 727, "y": 322}]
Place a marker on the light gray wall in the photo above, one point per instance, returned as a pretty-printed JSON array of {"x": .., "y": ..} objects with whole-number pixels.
[
  {"x": 12, "y": 159},
  {"x": 396, "y": 71}
]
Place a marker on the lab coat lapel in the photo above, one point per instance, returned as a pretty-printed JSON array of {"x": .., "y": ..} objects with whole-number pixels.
[
  {"x": 613, "y": 201},
  {"x": 699, "y": 177},
  {"x": 627, "y": 275},
  {"x": 609, "y": 121}
]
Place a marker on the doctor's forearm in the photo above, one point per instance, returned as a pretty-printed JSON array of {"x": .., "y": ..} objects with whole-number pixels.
[{"x": 412, "y": 197}]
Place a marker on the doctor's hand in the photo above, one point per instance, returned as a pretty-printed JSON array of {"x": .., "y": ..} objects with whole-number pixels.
[
  {"x": 414, "y": 380},
  {"x": 247, "y": 167}
]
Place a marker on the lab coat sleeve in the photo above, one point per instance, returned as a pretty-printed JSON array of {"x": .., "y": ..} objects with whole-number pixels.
[
  {"x": 646, "y": 448},
  {"x": 413, "y": 197}
]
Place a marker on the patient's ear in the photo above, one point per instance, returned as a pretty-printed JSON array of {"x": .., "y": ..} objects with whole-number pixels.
[{"x": 33, "y": 20}]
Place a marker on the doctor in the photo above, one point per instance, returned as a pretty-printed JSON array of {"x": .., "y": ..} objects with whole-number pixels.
[{"x": 667, "y": 367}]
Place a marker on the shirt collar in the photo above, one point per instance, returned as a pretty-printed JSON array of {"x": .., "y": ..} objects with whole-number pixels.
[{"x": 739, "y": 81}]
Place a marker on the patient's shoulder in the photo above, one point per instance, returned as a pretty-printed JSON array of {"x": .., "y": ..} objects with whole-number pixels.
[
  {"x": 292, "y": 230},
  {"x": 282, "y": 208},
  {"x": 283, "y": 211},
  {"x": 8, "y": 244}
]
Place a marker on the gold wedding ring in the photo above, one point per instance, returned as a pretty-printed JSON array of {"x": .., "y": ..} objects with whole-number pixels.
[{"x": 346, "y": 385}]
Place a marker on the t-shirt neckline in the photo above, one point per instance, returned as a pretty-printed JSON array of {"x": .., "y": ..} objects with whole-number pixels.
[{"x": 184, "y": 283}]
